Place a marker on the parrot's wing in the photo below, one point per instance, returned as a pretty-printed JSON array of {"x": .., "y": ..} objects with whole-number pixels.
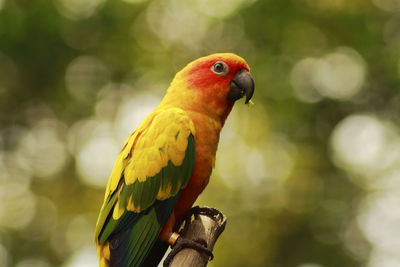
[{"x": 155, "y": 163}]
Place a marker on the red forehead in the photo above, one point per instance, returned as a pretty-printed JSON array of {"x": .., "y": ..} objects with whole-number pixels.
[{"x": 200, "y": 74}]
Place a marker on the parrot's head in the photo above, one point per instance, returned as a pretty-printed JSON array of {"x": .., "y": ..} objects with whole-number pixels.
[{"x": 213, "y": 83}]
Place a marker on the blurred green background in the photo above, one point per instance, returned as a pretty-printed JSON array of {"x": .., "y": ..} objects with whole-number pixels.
[{"x": 308, "y": 177}]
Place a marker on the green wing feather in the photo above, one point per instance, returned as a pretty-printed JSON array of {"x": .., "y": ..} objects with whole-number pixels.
[{"x": 134, "y": 213}]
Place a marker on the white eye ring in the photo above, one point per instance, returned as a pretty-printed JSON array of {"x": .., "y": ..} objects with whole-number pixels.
[{"x": 220, "y": 68}]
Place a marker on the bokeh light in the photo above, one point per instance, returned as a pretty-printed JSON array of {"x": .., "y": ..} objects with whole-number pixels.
[
  {"x": 302, "y": 80},
  {"x": 18, "y": 208},
  {"x": 85, "y": 76},
  {"x": 85, "y": 257},
  {"x": 339, "y": 75},
  {"x": 42, "y": 150},
  {"x": 95, "y": 158},
  {"x": 78, "y": 9},
  {"x": 131, "y": 113},
  {"x": 362, "y": 143},
  {"x": 379, "y": 221},
  {"x": 169, "y": 23},
  {"x": 44, "y": 221},
  {"x": 388, "y": 5},
  {"x": 78, "y": 233},
  {"x": 220, "y": 9}
]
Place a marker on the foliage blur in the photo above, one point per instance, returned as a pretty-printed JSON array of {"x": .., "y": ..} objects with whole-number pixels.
[{"x": 308, "y": 177}]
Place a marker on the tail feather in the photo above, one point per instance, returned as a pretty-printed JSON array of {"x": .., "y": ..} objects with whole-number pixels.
[
  {"x": 138, "y": 245},
  {"x": 127, "y": 247}
]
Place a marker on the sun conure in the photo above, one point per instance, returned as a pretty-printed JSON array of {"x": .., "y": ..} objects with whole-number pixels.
[{"x": 167, "y": 161}]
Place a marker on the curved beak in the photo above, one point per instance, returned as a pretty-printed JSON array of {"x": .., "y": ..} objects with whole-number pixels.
[{"x": 242, "y": 84}]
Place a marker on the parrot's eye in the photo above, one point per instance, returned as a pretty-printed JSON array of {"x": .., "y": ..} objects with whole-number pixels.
[{"x": 220, "y": 68}]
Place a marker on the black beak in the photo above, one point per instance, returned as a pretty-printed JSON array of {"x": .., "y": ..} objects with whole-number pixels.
[{"x": 241, "y": 85}]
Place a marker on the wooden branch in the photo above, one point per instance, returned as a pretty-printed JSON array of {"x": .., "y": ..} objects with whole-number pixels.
[{"x": 204, "y": 223}]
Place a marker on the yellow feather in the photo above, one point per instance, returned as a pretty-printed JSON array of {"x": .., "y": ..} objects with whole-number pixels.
[
  {"x": 164, "y": 193},
  {"x": 181, "y": 144},
  {"x": 103, "y": 252},
  {"x": 164, "y": 137},
  {"x": 119, "y": 164},
  {"x": 132, "y": 207},
  {"x": 118, "y": 211}
]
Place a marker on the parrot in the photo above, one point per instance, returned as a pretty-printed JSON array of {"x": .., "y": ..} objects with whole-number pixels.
[{"x": 167, "y": 161}]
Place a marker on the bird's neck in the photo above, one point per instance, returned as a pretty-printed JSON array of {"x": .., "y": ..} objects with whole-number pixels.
[{"x": 193, "y": 101}]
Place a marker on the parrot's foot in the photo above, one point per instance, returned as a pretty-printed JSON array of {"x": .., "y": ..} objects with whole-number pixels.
[{"x": 199, "y": 245}]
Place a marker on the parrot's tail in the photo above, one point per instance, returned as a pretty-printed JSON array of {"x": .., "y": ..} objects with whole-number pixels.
[
  {"x": 130, "y": 246},
  {"x": 137, "y": 244}
]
